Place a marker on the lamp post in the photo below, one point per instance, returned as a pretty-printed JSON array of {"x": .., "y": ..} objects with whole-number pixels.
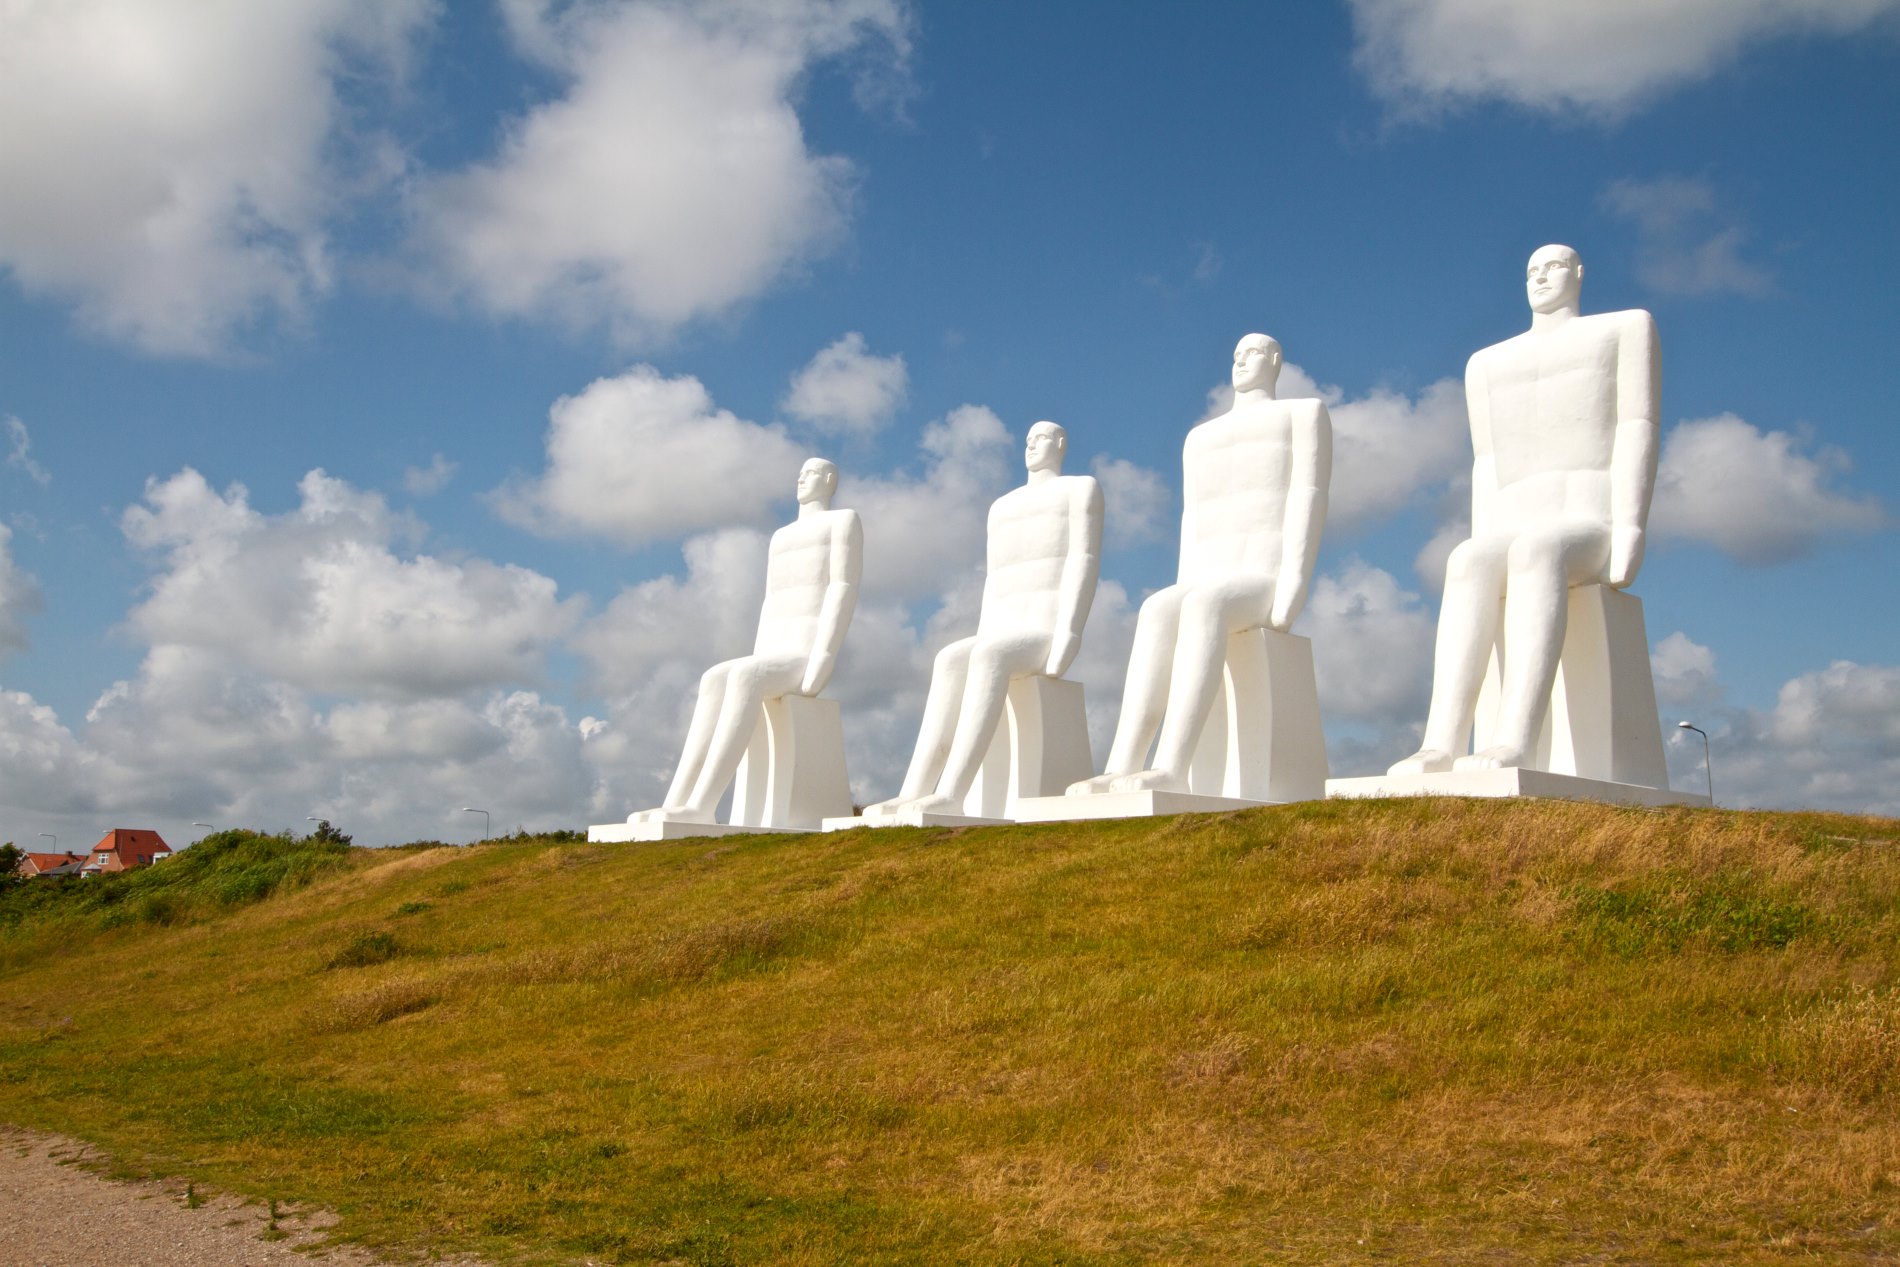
[
  {"x": 484, "y": 814},
  {"x": 55, "y": 839},
  {"x": 206, "y": 826},
  {"x": 1707, "y": 769}
]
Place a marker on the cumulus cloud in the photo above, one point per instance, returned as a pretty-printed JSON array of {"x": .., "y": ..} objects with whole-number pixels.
[
  {"x": 1831, "y": 741},
  {"x": 1604, "y": 59},
  {"x": 847, "y": 390},
  {"x": 1756, "y": 496},
  {"x": 1136, "y": 500},
  {"x": 1387, "y": 447},
  {"x": 1372, "y": 645},
  {"x": 19, "y": 597},
  {"x": 1686, "y": 246},
  {"x": 923, "y": 530},
  {"x": 325, "y": 598},
  {"x": 1684, "y": 673},
  {"x": 671, "y": 179},
  {"x": 641, "y": 458},
  {"x": 20, "y": 453},
  {"x": 427, "y": 481},
  {"x": 185, "y": 158}
]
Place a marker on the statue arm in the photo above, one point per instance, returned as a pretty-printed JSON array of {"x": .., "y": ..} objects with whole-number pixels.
[
  {"x": 1633, "y": 459},
  {"x": 1311, "y": 476},
  {"x": 1080, "y": 571},
  {"x": 841, "y": 599},
  {"x": 1181, "y": 571},
  {"x": 1484, "y": 469}
]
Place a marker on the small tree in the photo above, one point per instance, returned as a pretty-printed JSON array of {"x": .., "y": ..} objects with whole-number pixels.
[
  {"x": 10, "y": 860},
  {"x": 328, "y": 834}
]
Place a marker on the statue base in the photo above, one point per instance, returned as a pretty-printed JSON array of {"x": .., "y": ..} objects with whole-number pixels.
[
  {"x": 1064, "y": 809},
  {"x": 911, "y": 818},
  {"x": 1514, "y": 781},
  {"x": 675, "y": 829}
]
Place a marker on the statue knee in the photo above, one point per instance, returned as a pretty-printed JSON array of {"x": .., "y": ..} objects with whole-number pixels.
[
  {"x": 953, "y": 657},
  {"x": 714, "y": 679},
  {"x": 1469, "y": 562}
]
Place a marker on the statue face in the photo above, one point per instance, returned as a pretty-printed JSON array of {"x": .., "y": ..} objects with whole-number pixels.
[
  {"x": 1256, "y": 363},
  {"x": 816, "y": 479},
  {"x": 1553, "y": 279},
  {"x": 1043, "y": 449}
]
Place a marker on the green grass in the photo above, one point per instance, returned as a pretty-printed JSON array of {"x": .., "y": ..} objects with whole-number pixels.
[{"x": 1404, "y": 1031}]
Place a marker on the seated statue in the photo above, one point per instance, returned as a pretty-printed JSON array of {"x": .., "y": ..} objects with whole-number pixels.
[
  {"x": 812, "y": 572},
  {"x": 1253, "y": 504},
  {"x": 1045, "y": 551},
  {"x": 1564, "y": 437}
]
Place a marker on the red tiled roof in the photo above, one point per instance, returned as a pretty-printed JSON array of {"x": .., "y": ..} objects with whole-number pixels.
[{"x": 131, "y": 847}]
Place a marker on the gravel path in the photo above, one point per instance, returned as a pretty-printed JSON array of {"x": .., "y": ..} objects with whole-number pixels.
[{"x": 55, "y": 1213}]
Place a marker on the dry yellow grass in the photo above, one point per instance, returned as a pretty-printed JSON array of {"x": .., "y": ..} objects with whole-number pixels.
[{"x": 1428, "y": 1031}]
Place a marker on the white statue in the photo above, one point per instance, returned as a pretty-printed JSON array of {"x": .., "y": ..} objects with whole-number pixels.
[
  {"x": 1564, "y": 437},
  {"x": 811, "y": 589},
  {"x": 1045, "y": 554},
  {"x": 1253, "y": 496}
]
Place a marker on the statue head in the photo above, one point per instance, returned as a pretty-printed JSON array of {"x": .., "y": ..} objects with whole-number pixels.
[
  {"x": 1044, "y": 448},
  {"x": 1553, "y": 280},
  {"x": 817, "y": 481},
  {"x": 1256, "y": 363}
]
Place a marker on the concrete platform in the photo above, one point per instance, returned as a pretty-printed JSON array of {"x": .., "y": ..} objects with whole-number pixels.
[
  {"x": 1063, "y": 809},
  {"x": 912, "y": 818},
  {"x": 1510, "y": 782},
  {"x": 674, "y": 829}
]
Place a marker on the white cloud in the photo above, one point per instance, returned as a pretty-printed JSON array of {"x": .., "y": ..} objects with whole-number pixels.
[
  {"x": 1831, "y": 741},
  {"x": 20, "y": 453},
  {"x": 1605, "y": 58},
  {"x": 922, "y": 532},
  {"x": 1754, "y": 495},
  {"x": 846, "y": 390},
  {"x": 1372, "y": 645},
  {"x": 184, "y": 158},
  {"x": 1136, "y": 501},
  {"x": 320, "y": 598},
  {"x": 671, "y": 180},
  {"x": 642, "y": 458},
  {"x": 1685, "y": 246},
  {"x": 19, "y": 597},
  {"x": 1684, "y": 673},
  {"x": 427, "y": 481},
  {"x": 1387, "y": 448}
]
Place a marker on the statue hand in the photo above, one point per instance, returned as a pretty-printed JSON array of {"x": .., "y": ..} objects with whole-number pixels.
[
  {"x": 1062, "y": 649},
  {"x": 1286, "y": 606},
  {"x": 817, "y": 673},
  {"x": 1626, "y": 555}
]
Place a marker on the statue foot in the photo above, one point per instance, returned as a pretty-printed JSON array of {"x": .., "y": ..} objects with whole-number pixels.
[
  {"x": 1497, "y": 757},
  {"x": 1424, "y": 761},
  {"x": 1151, "y": 781},
  {"x": 885, "y": 809},
  {"x": 935, "y": 805},
  {"x": 1091, "y": 787}
]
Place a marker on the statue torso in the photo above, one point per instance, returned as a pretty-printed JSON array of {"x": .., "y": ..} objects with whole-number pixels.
[
  {"x": 1237, "y": 468},
  {"x": 797, "y": 573},
  {"x": 1029, "y": 542}
]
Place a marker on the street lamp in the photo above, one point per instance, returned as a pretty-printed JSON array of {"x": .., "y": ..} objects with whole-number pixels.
[
  {"x": 55, "y": 839},
  {"x": 1707, "y": 769},
  {"x": 206, "y": 826},
  {"x": 484, "y": 814}
]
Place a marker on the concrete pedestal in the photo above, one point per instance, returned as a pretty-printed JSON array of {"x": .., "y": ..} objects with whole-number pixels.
[
  {"x": 1041, "y": 747},
  {"x": 1262, "y": 742},
  {"x": 791, "y": 778},
  {"x": 1061, "y": 809},
  {"x": 911, "y": 818},
  {"x": 674, "y": 829},
  {"x": 1602, "y": 721},
  {"x": 1511, "y": 782}
]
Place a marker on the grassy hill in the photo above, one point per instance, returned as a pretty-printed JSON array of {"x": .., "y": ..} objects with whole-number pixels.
[{"x": 1402, "y": 1031}]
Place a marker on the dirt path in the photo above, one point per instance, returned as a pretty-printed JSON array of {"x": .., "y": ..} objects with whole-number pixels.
[{"x": 55, "y": 1213}]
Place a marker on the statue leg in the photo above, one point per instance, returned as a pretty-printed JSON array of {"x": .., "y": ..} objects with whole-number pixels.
[
  {"x": 992, "y": 663},
  {"x": 1208, "y": 615},
  {"x": 749, "y": 683},
  {"x": 1145, "y": 694},
  {"x": 1467, "y": 630},
  {"x": 1543, "y": 565},
  {"x": 947, "y": 677},
  {"x": 712, "y": 692}
]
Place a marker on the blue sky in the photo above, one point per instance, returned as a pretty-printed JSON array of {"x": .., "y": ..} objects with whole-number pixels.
[{"x": 552, "y": 298}]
